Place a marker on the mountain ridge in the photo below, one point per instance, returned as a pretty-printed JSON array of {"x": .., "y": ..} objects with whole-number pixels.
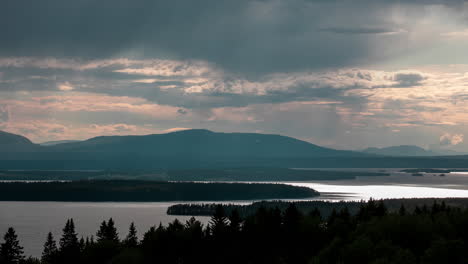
[
  {"x": 199, "y": 149},
  {"x": 197, "y": 142},
  {"x": 10, "y": 142},
  {"x": 409, "y": 151},
  {"x": 401, "y": 150}
]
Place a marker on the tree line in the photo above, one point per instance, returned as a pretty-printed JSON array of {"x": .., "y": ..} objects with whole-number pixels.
[
  {"x": 375, "y": 235},
  {"x": 147, "y": 191}
]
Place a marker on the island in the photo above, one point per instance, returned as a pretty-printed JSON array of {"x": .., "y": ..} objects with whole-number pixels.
[{"x": 147, "y": 191}]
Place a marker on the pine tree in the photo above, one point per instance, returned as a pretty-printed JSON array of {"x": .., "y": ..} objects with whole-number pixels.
[
  {"x": 235, "y": 221},
  {"x": 380, "y": 209},
  {"x": 69, "y": 246},
  {"x": 107, "y": 232},
  {"x": 10, "y": 250},
  {"x": 101, "y": 233},
  {"x": 402, "y": 210},
  {"x": 131, "y": 240},
  {"x": 218, "y": 221},
  {"x": 292, "y": 216},
  {"x": 194, "y": 227},
  {"x": 69, "y": 238},
  {"x": 49, "y": 254},
  {"x": 82, "y": 244},
  {"x": 111, "y": 233}
]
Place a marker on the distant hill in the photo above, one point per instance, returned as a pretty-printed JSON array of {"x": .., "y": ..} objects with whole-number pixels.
[
  {"x": 203, "y": 143},
  {"x": 53, "y": 143},
  {"x": 448, "y": 152},
  {"x": 181, "y": 149},
  {"x": 409, "y": 151},
  {"x": 200, "y": 148},
  {"x": 15, "y": 143}
]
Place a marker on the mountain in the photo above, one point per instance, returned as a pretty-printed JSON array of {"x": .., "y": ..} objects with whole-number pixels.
[
  {"x": 198, "y": 148},
  {"x": 182, "y": 149},
  {"x": 448, "y": 152},
  {"x": 403, "y": 150},
  {"x": 53, "y": 143},
  {"x": 200, "y": 143},
  {"x": 15, "y": 143}
]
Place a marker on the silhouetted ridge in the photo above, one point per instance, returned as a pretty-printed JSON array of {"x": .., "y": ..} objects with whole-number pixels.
[
  {"x": 403, "y": 150},
  {"x": 9, "y": 138},
  {"x": 203, "y": 143},
  {"x": 11, "y": 142}
]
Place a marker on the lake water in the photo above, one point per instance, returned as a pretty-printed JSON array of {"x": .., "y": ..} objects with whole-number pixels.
[
  {"x": 33, "y": 220},
  {"x": 397, "y": 185}
]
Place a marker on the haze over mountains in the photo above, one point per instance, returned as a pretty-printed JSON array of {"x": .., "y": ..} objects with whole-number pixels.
[
  {"x": 52, "y": 143},
  {"x": 197, "y": 148},
  {"x": 410, "y": 150}
]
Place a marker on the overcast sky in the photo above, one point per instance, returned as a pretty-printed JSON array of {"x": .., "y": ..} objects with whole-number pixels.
[{"x": 348, "y": 74}]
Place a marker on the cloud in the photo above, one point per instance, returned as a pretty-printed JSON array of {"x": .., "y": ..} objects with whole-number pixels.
[
  {"x": 66, "y": 86},
  {"x": 456, "y": 34},
  {"x": 307, "y": 68},
  {"x": 191, "y": 84},
  {"x": 248, "y": 37},
  {"x": 361, "y": 30},
  {"x": 408, "y": 79},
  {"x": 174, "y": 129},
  {"x": 448, "y": 139},
  {"x": 181, "y": 111}
]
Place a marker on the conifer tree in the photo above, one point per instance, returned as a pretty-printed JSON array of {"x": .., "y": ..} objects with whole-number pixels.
[
  {"x": 402, "y": 210},
  {"x": 49, "y": 254},
  {"x": 291, "y": 217},
  {"x": 131, "y": 240},
  {"x": 69, "y": 251},
  {"x": 10, "y": 250},
  {"x": 82, "y": 244},
  {"x": 111, "y": 233},
  {"x": 380, "y": 209},
  {"x": 69, "y": 238},
  {"x": 107, "y": 232},
  {"x": 218, "y": 221},
  {"x": 334, "y": 215},
  {"x": 344, "y": 214},
  {"x": 234, "y": 221},
  {"x": 190, "y": 223},
  {"x": 194, "y": 227},
  {"x": 315, "y": 213},
  {"x": 87, "y": 243},
  {"x": 101, "y": 233}
]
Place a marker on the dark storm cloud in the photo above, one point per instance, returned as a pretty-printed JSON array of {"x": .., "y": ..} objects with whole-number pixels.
[
  {"x": 213, "y": 99},
  {"x": 409, "y": 79},
  {"x": 241, "y": 36}
]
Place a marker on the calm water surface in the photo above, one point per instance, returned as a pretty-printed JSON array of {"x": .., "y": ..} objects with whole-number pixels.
[{"x": 33, "y": 220}]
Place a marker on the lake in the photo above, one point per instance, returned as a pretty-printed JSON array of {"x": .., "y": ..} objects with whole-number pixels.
[
  {"x": 397, "y": 185},
  {"x": 33, "y": 220}
]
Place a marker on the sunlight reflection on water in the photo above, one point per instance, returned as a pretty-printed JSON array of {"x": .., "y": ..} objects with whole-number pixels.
[{"x": 365, "y": 192}]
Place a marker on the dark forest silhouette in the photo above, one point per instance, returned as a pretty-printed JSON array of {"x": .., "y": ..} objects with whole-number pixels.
[
  {"x": 143, "y": 191},
  {"x": 427, "y": 234}
]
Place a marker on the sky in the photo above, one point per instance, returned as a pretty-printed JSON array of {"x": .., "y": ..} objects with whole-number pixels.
[{"x": 347, "y": 74}]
